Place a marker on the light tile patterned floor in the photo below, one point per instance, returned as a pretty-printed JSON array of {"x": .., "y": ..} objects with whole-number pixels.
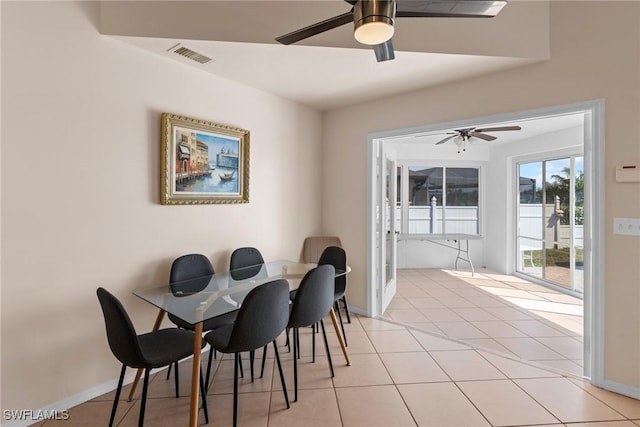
[
  {"x": 399, "y": 376},
  {"x": 495, "y": 312}
]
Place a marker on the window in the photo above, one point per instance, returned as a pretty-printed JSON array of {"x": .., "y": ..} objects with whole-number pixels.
[{"x": 442, "y": 200}]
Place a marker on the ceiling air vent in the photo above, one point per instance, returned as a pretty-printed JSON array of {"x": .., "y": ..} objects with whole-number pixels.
[{"x": 188, "y": 53}]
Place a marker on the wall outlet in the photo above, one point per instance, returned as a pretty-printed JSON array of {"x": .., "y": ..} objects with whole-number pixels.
[{"x": 626, "y": 226}]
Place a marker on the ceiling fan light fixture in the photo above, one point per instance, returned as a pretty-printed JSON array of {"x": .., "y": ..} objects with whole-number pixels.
[
  {"x": 373, "y": 33},
  {"x": 373, "y": 21}
]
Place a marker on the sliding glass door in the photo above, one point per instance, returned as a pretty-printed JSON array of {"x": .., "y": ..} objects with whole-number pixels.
[{"x": 550, "y": 221}]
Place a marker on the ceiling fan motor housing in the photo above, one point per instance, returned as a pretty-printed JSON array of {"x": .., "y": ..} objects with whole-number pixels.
[{"x": 377, "y": 12}]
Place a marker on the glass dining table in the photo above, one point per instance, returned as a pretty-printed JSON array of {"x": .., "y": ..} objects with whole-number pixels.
[{"x": 207, "y": 297}]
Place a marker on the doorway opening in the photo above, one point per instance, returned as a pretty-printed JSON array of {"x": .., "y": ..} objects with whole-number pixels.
[{"x": 564, "y": 254}]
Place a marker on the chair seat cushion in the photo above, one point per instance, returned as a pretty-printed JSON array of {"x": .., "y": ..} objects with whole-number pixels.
[
  {"x": 219, "y": 338},
  {"x": 165, "y": 346}
]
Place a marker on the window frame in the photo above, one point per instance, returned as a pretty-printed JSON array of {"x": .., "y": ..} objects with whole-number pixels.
[{"x": 426, "y": 163}]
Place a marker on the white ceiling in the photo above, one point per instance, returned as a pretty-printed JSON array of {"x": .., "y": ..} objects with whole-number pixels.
[
  {"x": 329, "y": 70},
  {"x": 326, "y": 77},
  {"x": 530, "y": 128}
]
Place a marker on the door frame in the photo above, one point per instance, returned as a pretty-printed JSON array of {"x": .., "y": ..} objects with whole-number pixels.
[
  {"x": 388, "y": 211},
  {"x": 594, "y": 334}
]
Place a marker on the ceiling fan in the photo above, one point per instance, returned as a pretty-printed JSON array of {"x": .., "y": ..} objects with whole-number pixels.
[
  {"x": 462, "y": 136},
  {"x": 374, "y": 19}
]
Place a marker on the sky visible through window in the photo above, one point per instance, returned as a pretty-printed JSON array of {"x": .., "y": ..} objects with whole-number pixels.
[{"x": 534, "y": 170}]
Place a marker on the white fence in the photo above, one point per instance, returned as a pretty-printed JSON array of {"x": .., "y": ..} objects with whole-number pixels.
[
  {"x": 532, "y": 229},
  {"x": 427, "y": 219}
]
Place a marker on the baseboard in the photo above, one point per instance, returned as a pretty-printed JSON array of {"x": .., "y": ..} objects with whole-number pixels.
[
  {"x": 357, "y": 310},
  {"x": 61, "y": 407},
  {"x": 623, "y": 389}
]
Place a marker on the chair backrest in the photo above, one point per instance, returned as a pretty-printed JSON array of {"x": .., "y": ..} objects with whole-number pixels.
[
  {"x": 314, "y": 297},
  {"x": 245, "y": 259},
  {"x": 336, "y": 256},
  {"x": 314, "y": 245},
  {"x": 189, "y": 274},
  {"x": 190, "y": 266},
  {"x": 262, "y": 317},
  {"x": 121, "y": 334}
]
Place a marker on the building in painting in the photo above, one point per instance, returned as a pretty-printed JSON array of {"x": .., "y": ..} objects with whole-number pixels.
[
  {"x": 192, "y": 156},
  {"x": 200, "y": 162},
  {"x": 227, "y": 159}
]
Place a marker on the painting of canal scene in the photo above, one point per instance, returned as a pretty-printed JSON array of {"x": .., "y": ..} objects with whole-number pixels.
[{"x": 203, "y": 162}]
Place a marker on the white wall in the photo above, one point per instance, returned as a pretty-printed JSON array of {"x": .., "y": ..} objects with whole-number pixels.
[
  {"x": 80, "y": 190},
  {"x": 595, "y": 54}
]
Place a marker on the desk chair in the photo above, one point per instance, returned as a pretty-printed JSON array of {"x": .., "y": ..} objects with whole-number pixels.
[
  {"x": 187, "y": 267},
  {"x": 262, "y": 317},
  {"x": 155, "y": 349},
  {"x": 313, "y": 300}
]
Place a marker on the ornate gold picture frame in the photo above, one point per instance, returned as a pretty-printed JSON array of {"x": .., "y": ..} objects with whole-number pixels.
[{"x": 203, "y": 162}]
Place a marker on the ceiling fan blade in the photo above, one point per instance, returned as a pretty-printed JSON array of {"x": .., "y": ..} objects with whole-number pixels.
[
  {"x": 318, "y": 28},
  {"x": 446, "y": 139},
  {"x": 449, "y": 8},
  {"x": 482, "y": 136},
  {"x": 384, "y": 51},
  {"x": 497, "y": 129}
]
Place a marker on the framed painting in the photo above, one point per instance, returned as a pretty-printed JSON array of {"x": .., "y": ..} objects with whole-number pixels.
[{"x": 203, "y": 162}]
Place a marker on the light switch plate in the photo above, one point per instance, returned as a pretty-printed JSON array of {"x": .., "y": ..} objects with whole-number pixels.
[{"x": 626, "y": 226}]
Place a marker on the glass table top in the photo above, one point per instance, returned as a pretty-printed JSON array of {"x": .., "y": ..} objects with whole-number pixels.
[{"x": 202, "y": 298}]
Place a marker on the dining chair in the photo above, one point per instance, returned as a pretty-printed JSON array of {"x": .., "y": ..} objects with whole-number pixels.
[
  {"x": 263, "y": 316},
  {"x": 313, "y": 246},
  {"x": 245, "y": 263},
  {"x": 313, "y": 300},
  {"x": 155, "y": 349},
  {"x": 186, "y": 270},
  {"x": 336, "y": 256},
  {"x": 241, "y": 261}
]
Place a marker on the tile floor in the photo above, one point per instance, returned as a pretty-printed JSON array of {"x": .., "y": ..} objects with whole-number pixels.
[
  {"x": 400, "y": 376},
  {"x": 499, "y": 313}
]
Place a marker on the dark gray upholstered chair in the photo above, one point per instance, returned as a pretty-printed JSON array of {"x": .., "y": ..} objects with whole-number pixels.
[
  {"x": 336, "y": 256},
  {"x": 155, "y": 349},
  {"x": 186, "y": 270},
  {"x": 194, "y": 266},
  {"x": 245, "y": 263},
  {"x": 263, "y": 316},
  {"x": 242, "y": 261},
  {"x": 313, "y": 300}
]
